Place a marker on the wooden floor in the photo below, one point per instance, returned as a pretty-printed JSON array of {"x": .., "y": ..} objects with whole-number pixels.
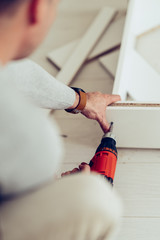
[{"x": 138, "y": 170}]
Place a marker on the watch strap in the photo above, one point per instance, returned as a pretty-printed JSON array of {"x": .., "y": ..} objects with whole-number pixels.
[{"x": 82, "y": 101}]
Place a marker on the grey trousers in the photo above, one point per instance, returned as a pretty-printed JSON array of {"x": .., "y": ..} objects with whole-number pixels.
[{"x": 76, "y": 207}]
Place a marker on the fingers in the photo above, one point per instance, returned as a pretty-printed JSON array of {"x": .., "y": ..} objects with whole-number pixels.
[
  {"x": 102, "y": 121},
  {"x": 112, "y": 99},
  {"x": 75, "y": 170},
  {"x": 83, "y": 167},
  {"x": 104, "y": 125}
]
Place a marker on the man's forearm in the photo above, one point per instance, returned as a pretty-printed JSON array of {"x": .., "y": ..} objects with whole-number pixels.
[
  {"x": 40, "y": 86},
  {"x": 47, "y": 92}
]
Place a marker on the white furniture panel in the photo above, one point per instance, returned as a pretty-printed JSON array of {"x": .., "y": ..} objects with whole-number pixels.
[
  {"x": 135, "y": 75},
  {"x": 137, "y": 124}
]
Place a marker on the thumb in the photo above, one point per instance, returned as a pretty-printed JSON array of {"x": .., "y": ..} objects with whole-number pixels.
[
  {"x": 104, "y": 124},
  {"x": 113, "y": 99},
  {"x": 84, "y": 168}
]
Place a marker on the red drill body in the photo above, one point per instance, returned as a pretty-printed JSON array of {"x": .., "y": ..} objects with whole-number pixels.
[{"x": 105, "y": 159}]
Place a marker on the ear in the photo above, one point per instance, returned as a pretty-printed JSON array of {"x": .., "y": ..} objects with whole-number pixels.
[{"x": 37, "y": 10}]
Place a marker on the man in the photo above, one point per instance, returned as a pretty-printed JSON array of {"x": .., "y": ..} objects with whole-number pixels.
[{"x": 30, "y": 148}]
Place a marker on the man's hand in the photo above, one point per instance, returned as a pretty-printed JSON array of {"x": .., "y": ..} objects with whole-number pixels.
[
  {"x": 83, "y": 167},
  {"x": 96, "y": 107}
]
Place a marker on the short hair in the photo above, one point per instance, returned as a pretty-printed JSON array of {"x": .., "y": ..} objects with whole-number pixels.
[{"x": 9, "y": 5}]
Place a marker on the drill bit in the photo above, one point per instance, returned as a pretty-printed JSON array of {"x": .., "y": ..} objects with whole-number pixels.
[{"x": 111, "y": 127}]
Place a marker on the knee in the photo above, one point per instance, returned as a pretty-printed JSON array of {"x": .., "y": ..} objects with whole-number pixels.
[
  {"x": 90, "y": 191},
  {"x": 75, "y": 207},
  {"x": 92, "y": 203}
]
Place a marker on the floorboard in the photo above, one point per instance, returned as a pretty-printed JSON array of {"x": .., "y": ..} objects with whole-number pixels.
[{"x": 140, "y": 229}]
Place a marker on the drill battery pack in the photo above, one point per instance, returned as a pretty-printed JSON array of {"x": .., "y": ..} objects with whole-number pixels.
[{"x": 105, "y": 159}]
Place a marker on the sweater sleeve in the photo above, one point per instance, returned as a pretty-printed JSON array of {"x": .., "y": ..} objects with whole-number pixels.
[{"x": 37, "y": 84}]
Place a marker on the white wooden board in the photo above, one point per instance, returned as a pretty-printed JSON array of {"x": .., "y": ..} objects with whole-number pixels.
[
  {"x": 147, "y": 45},
  {"x": 109, "y": 40},
  {"x": 110, "y": 62},
  {"x": 85, "y": 46},
  {"x": 136, "y": 127},
  {"x": 136, "y": 75},
  {"x": 59, "y": 56}
]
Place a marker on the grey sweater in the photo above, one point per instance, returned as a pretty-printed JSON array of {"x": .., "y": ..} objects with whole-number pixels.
[{"x": 30, "y": 148}]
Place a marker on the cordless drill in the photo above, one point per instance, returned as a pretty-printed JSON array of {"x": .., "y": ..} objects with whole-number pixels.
[{"x": 105, "y": 159}]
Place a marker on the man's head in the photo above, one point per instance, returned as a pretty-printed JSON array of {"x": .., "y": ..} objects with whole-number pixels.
[{"x": 23, "y": 25}]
